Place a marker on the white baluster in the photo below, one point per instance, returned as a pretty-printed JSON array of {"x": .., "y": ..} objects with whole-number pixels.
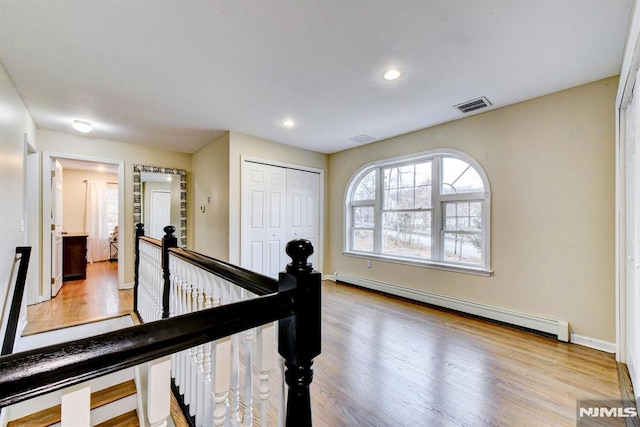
[
  {"x": 282, "y": 398},
  {"x": 76, "y": 405},
  {"x": 234, "y": 388},
  {"x": 159, "y": 390},
  {"x": 207, "y": 404},
  {"x": 265, "y": 353},
  {"x": 248, "y": 379},
  {"x": 220, "y": 359}
]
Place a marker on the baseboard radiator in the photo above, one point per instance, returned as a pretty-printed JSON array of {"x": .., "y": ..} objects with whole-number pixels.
[{"x": 559, "y": 328}]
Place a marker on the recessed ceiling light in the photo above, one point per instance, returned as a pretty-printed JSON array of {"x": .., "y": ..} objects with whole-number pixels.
[
  {"x": 391, "y": 74},
  {"x": 81, "y": 126},
  {"x": 288, "y": 123}
]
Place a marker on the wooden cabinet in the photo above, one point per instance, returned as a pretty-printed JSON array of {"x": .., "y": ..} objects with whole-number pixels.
[{"x": 74, "y": 257}]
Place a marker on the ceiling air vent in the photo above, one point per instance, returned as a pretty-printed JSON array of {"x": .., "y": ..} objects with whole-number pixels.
[
  {"x": 473, "y": 105},
  {"x": 362, "y": 138}
]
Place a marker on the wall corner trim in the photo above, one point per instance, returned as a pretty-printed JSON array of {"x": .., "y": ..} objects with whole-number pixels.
[
  {"x": 594, "y": 343},
  {"x": 560, "y": 328}
]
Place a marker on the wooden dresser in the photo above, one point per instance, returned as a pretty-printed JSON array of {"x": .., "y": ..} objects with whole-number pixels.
[{"x": 74, "y": 257}]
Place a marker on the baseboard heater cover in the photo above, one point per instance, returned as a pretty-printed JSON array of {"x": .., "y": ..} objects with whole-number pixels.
[{"x": 559, "y": 328}]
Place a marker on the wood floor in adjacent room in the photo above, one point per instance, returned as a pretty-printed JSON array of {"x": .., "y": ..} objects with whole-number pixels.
[
  {"x": 82, "y": 301},
  {"x": 388, "y": 362}
]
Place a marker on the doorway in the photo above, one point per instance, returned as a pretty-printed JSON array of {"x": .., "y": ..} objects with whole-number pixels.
[{"x": 82, "y": 213}]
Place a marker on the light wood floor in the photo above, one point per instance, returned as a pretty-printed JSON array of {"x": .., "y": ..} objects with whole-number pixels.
[
  {"x": 387, "y": 362},
  {"x": 82, "y": 301}
]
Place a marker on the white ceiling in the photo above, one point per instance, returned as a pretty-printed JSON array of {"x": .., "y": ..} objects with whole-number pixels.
[{"x": 176, "y": 74}]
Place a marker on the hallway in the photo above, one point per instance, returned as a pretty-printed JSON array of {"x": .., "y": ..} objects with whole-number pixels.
[{"x": 82, "y": 301}]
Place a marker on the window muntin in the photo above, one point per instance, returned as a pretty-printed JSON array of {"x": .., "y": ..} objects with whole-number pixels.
[
  {"x": 431, "y": 209},
  {"x": 366, "y": 188},
  {"x": 459, "y": 177}
]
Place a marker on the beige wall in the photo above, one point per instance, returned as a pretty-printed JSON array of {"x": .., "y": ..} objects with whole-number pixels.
[
  {"x": 245, "y": 145},
  {"x": 211, "y": 179},
  {"x": 130, "y": 154},
  {"x": 550, "y": 164},
  {"x": 15, "y": 122},
  {"x": 74, "y": 196}
]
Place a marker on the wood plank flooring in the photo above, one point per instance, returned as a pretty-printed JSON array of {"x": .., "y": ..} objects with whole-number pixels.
[
  {"x": 388, "y": 362},
  {"x": 82, "y": 301}
]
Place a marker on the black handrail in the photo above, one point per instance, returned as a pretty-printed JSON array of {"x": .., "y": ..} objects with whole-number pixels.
[
  {"x": 250, "y": 280},
  {"x": 24, "y": 252},
  {"x": 32, "y": 373}
]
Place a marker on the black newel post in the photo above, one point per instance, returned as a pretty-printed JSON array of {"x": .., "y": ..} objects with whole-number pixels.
[
  {"x": 168, "y": 241},
  {"x": 136, "y": 264},
  {"x": 299, "y": 334}
]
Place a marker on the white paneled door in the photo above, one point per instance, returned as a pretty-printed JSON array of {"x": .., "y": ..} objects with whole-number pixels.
[
  {"x": 56, "y": 227},
  {"x": 278, "y": 204}
]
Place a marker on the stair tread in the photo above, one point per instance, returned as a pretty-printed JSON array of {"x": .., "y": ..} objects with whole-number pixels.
[
  {"x": 130, "y": 419},
  {"x": 52, "y": 415},
  {"x": 113, "y": 393},
  {"x": 46, "y": 417}
]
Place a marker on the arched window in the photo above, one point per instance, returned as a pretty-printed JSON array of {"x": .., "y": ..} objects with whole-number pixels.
[{"x": 429, "y": 209}]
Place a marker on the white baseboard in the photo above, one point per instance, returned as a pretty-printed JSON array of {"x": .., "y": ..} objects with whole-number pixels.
[
  {"x": 597, "y": 344},
  {"x": 560, "y": 328},
  {"x": 126, "y": 286},
  {"x": 330, "y": 277}
]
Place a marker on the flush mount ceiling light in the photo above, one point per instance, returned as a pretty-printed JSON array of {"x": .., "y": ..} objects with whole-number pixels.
[
  {"x": 288, "y": 123},
  {"x": 81, "y": 126},
  {"x": 392, "y": 74}
]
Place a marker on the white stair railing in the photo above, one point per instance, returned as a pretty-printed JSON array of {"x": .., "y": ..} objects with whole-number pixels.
[
  {"x": 226, "y": 382},
  {"x": 150, "y": 281}
]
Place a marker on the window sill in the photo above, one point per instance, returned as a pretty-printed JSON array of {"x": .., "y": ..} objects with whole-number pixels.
[{"x": 478, "y": 271}]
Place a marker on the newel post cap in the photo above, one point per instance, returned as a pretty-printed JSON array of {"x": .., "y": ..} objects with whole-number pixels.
[
  {"x": 169, "y": 230},
  {"x": 299, "y": 250}
]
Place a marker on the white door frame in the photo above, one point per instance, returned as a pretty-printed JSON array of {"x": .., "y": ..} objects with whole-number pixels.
[
  {"x": 320, "y": 249},
  {"x": 45, "y": 259}
]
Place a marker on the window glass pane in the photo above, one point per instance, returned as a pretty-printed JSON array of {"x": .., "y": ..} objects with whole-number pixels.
[
  {"x": 405, "y": 176},
  {"x": 366, "y": 188},
  {"x": 363, "y": 217},
  {"x": 391, "y": 178},
  {"x": 111, "y": 206},
  {"x": 405, "y": 198},
  {"x": 465, "y": 248},
  {"x": 463, "y": 216},
  {"x": 423, "y": 196},
  {"x": 363, "y": 240},
  {"x": 459, "y": 177},
  {"x": 407, "y": 234},
  {"x": 407, "y": 187}
]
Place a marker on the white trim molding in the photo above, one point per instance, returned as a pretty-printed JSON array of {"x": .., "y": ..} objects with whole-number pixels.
[
  {"x": 560, "y": 328},
  {"x": 609, "y": 347}
]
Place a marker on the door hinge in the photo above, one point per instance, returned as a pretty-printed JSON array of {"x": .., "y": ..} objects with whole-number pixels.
[
  {"x": 53, "y": 174},
  {"x": 53, "y": 281},
  {"x": 53, "y": 227}
]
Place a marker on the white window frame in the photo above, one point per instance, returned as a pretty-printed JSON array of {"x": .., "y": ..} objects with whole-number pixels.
[{"x": 437, "y": 212}]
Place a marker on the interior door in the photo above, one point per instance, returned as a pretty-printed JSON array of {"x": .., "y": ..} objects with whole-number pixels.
[
  {"x": 159, "y": 213},
  {"x": 263, "y": 218},
  {"x": 56, "y": 226},
  {"x": 303, "y": 209}
]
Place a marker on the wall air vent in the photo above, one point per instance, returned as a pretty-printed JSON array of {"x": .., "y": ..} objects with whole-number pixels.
[
  {"x": 473, "y": 105},
  {"x": 362, "y": 138}
]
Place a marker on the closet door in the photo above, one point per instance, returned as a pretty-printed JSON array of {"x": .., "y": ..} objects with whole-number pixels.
[
  {"x": 303, "y": 208},
  {"x": 263, "y": 218}
]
